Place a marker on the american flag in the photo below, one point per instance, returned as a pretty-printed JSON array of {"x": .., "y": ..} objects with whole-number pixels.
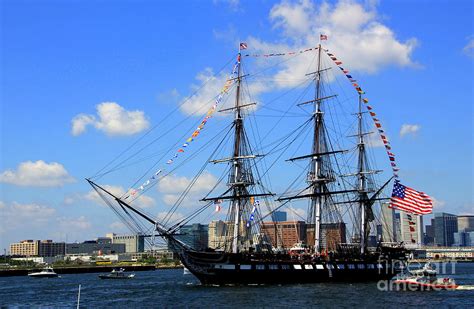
[
  {"x": 409, "y": 200},
  {"x": 323, "y": 37},
  {"x": 243, "y": 45}
]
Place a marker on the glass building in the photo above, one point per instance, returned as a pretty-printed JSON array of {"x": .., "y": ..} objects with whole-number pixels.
[{"x": 445, "y": 225}]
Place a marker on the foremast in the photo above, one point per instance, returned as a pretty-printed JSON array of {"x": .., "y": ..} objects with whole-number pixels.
[{"x": 362, "y": 181}]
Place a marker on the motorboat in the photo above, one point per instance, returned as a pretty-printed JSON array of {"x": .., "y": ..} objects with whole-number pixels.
[
  {"x": 117, "y": 274},
  {"x": 47, "y": 272},
  {"x": 425, "y": 279}
]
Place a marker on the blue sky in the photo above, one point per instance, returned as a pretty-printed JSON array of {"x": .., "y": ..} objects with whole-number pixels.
[{"x": 61, "y": 59}]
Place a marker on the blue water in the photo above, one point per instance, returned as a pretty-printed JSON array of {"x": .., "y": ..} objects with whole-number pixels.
[{"x": 171, "y": 289}]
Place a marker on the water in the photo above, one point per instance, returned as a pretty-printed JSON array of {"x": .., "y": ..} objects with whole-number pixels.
[{"x": 171, "y": 289}]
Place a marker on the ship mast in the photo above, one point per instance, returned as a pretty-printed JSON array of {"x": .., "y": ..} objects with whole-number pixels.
[
  {"x": 362, "y": 180},
  {"x": 236, "y": 204},
  {"x": 315, "y": 161},
  {"x": 319, "y": 174}
]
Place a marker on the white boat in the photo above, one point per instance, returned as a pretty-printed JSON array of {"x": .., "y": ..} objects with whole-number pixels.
[
  {"x": 47, "y": 272},
  {"x": 425, "y": 279},
  {"x": 117, "y": 274}
]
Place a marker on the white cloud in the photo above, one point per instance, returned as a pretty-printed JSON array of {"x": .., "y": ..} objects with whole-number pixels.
[
  {"x": 438, "y": 205},
  {"x": 205, "y": 92},
  {"x": 296, "y": 214},
  {"x": 118, "y": 226},
  {"x": 173, "y": 186},
  {"x": 294, "y": 18},
  {"x": 355, "y": 34},
  {"x": 74, "y": 224},
  {"x": 37, "y": 174},
  {"x": 469, "y": 48},
  {"x": 407, "y": 129},
  {"x": 80, "y": 123},
  {"x": 16, "y": 215},
  {"x": 166, "y": 218},
  {"x": 373, "y": 139},
  {"x": 176, "y": 184},
  {"x": 143, "y": 201},
  {"x": 112, "y": 119}
]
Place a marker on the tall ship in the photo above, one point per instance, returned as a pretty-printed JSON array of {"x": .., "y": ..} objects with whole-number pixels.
[{"x": 329, "y": 177}]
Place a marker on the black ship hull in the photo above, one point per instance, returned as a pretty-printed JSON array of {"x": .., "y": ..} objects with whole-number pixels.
[{"x": 218, "y": 268}]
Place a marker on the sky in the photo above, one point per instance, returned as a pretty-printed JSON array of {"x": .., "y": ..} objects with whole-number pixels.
[{"x": 82, "y": 80}]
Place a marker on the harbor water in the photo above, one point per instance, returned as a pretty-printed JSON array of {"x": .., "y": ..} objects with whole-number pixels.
[{"x": 171, "y": 289}]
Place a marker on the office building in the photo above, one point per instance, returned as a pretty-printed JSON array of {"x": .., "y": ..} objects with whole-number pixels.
[
  {"x": 41, "y": 248},
  {"x": 389, "y": 232},
  {"x": 411, "y": 230},
  {"x": 195, "y": 235},
  {"x": 133, "y": 243},
  {"x": 279, "y": 216},
  {"x": 430, "y": 234},
  {"x": 25, "y": 248},
  {"x": 464, "y": 239},
  {"x": 92, "y": 247},
  {"x": 284, "y": 234},
  {"x": 217, "y": 234},
  {"x": 50, "y": 248},
  {"x": 445, "y": 226},
  {"x": 465, "y": 223},
  {"x": 332, "y": 234}
]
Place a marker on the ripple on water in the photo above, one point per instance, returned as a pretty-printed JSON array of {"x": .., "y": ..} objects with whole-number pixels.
[{"x": 169, "y": 288}]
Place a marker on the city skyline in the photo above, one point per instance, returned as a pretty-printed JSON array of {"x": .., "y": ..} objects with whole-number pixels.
[{"x": 70, "y": 71}]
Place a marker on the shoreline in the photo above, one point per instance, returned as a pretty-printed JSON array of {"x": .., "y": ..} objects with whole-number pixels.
[{"x": 84, "y": 269}]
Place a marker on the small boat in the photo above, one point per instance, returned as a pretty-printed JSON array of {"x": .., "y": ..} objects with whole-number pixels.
[
  {"x": 117, "y": 274},
  {"x": 47, "y": 272},
  {"x": 425, "y": 279}
]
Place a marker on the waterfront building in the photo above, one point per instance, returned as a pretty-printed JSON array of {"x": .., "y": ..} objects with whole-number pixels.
[
  {"x": 445, "y": 226},
  {"x": 411, "y": 227},
  {"x": 284, "y": 234},
  {"x": 279, "y": 216},
  {"x": 466, "y": 223},
  {"x": 217, "y": 234},
  {"x": 450, "y": 253},
  {"x": 333, "y": 234},
  {"x": 389, "y": 232},
  {"x": 430, "y": 233},
  {"x": 50, "y": 248},
  {"x": 27, "y": 247},
  {"x": 195, "y": 235},
  {"x": 160, "y": 255},
  {"x": 398, "y": 227},
  {"x": 93, "y": 247},
  {"x": 464, "y": 239},
  {"x": 41, "y": 248},
  {"x": 40, "y": 259},
  {"x": 133, "y": 243}
]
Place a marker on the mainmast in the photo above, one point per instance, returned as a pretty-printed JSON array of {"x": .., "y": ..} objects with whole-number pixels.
[
  {"x": 315, "y": 175},
  {"x": 236, "y": 203},
  {"x": 319, "y": 174}
]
